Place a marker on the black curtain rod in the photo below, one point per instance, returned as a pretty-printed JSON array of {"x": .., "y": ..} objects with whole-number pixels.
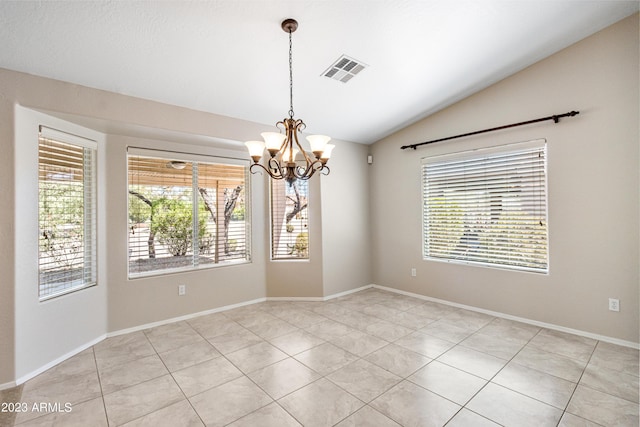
[{"x": 555, "y": 118}]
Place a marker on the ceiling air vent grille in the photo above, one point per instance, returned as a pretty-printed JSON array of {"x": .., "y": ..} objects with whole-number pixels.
[{"x": 344, "y": 69}]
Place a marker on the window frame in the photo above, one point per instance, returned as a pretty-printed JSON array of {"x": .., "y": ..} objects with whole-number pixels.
[
  {"x": 188, "y": 157},
  {"x": 89, "y": 216},
  {"x": 306, "y": 225},
  {"x": 487, "y": 153}
]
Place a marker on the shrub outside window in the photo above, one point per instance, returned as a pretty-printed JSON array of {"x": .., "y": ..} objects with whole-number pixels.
[
  {"x": 185, "y": 212},
  {"x": 487, "y": 207},
  {"x": 66, "y": 213}
]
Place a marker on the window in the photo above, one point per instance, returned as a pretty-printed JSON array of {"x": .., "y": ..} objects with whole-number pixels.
[
  {"x": 487, "y": 207},
  {"x": 289, "y": 219},
  {"x": 185, "y": 212},
  {"x": 66, "y": 212}
]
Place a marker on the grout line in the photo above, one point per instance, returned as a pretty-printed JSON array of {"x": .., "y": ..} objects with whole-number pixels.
[
  {"x": 10, "y": 416},
  {"x": 578, "y": 383},
  {"x": 577, "y": 332},
  {"x": 104, "y": 405},
  {"x": 176, "y": 382},
  {"x": 350, "y": 308},
  {"x": 566, "y": 406}
]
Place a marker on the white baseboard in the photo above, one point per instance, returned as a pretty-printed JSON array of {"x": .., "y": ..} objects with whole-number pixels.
[
  {"x": 60, "y": 359},
  {"x": 350, "y": 291},
  {"x": 181, "y": 318},
  {"x": 320, "y": 299},
  {"x": 95, "y": 341},
  {"x": 307, "y": 299},
  {"x": 598, "y": 337},
  {"x": 72, "y": 353},
  {"x": 8, "y": 385},
  {"x": 231, "y": 307}
]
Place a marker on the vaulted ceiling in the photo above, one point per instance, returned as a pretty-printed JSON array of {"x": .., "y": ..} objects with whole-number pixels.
[{"x": 230, "y": 57}]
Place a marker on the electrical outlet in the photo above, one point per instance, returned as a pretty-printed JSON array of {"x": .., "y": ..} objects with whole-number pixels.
[
  {"x": 413, "y": 272},
  {"x": 182, "y": 289},
  {"x": 614, "y": 304}
]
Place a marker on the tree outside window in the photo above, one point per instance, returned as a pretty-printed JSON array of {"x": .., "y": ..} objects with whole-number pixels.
[
  {"x": 66, "y": 213},
  {"x": 185, "y": 215}
]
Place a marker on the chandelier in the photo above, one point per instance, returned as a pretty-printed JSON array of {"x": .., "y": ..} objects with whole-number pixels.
[{"x": 284, "y": 162}]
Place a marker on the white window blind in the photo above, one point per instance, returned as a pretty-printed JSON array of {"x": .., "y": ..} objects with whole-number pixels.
[
  {"x": 66, "y": 212},
  {"x": 289, "y": 220},
  {"x": 185, "y": 212},
  {"x": 487, "y": 207}
]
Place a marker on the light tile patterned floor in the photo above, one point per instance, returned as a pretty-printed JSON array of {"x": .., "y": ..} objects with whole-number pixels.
[{"x": 373, "y": 358}]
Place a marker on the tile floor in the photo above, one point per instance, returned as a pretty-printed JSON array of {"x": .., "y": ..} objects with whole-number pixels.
[{"x": 372, "y": 358}]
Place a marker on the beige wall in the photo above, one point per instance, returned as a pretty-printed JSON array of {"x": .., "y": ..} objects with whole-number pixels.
[
  {"x": 119, "y": 303},
  {"x": 50, "y": 330},
  {"x": 339, "y": 242},
  {"x": 150, "y": 299},
  {"x": 300, "y": 278},
  {"x": 593, "y": 190},
  {"x": 346, "y": 242},
  {"x": 7, "y": 294}
]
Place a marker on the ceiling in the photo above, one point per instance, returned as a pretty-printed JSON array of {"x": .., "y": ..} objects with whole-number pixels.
[{"x": 230, "y": 57}]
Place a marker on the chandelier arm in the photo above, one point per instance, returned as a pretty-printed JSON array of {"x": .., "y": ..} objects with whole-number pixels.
[
  {"x": 258, "y": 165},
  {"x": 304, "y": 176},
  {"x": 282, "y": 126},
  {"x": 299, "y": 126},
  {"x": 312, "y": 168},
  {"x": 275, "y": 169},
  {"x": 273, "y": 172}
]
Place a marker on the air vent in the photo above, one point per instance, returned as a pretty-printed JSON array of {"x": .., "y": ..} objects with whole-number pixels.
[{"x": 344, "y": 69}]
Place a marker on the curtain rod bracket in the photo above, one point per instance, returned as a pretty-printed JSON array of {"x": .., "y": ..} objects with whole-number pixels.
[{"x": 555, "y": 118}]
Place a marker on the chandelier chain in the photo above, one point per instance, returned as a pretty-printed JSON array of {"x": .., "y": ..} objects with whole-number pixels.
[{"x": 290, "y": 76}]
